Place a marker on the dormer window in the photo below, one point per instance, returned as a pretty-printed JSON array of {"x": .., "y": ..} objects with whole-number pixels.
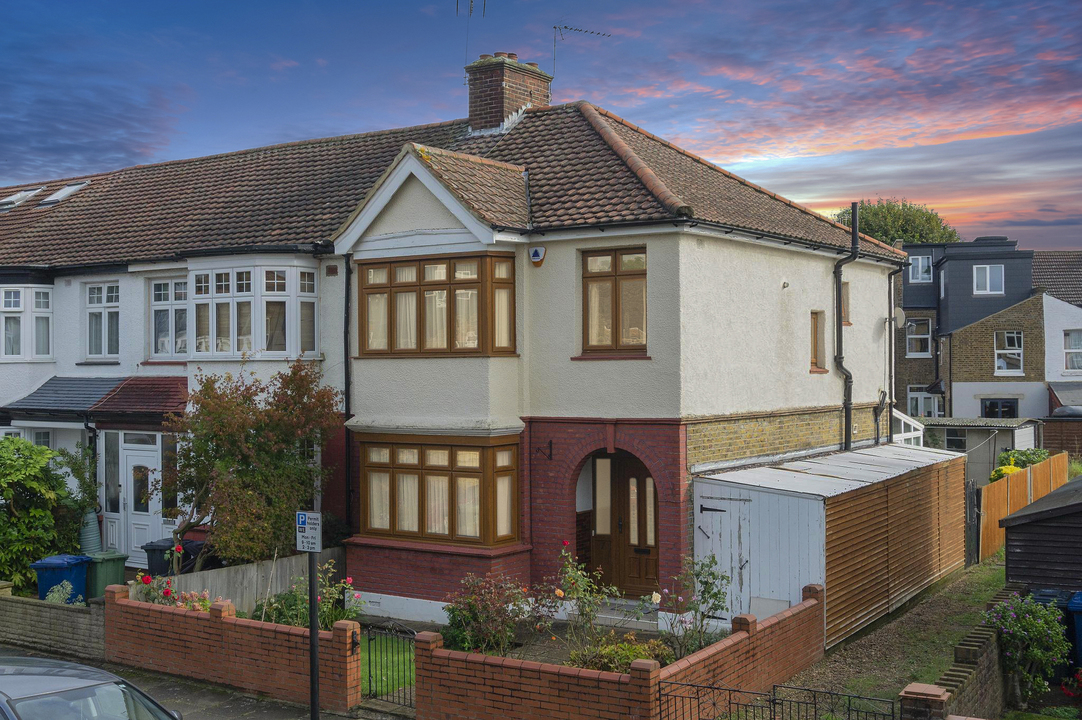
[
  {"x": 987, "y": 279},
  {"x": 920, "y": 269}
]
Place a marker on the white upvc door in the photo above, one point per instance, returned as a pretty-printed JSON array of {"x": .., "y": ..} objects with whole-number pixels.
[{"x": 144, "y": 514}]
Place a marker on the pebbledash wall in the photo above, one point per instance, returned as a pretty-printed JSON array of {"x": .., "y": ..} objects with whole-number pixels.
[
  {"x": 255, "y": 657},
  {"x": 453, "y": 685},
  {"x": 71, "y": 630}
]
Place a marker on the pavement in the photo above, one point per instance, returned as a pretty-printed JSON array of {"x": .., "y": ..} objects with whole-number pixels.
[{"x": 193, "y": 699}]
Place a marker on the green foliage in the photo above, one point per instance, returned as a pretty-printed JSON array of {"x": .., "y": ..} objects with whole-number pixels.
[
  {"x": 149, "y": 589},
  {"x": 38, "y": 518},
  {"x": 484, "y": 614},
  {"x": 1003, "y": 471},
  {"x": 613, "y": 654},
  {"x": 1074, "y": 468},
  {"x": 1032, "y": 642},
  {"x": 1061, "y": 711},
  {"x": 82, "y": 466},
  {"x": 890, "y": 219},
  {"x": 707, "y": 602},
  {"x": 1022, "y": 458},
  {"x": 241, "y": 465},
  {"x": 62, "y": 595},
  {"x": 291, "y": 607},
  {"x": 585, "y": 592}
]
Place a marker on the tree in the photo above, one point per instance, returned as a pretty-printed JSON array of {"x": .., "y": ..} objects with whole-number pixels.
[
  {"x": 890, "y": 219},
  {"x": 245, "y": 458}
]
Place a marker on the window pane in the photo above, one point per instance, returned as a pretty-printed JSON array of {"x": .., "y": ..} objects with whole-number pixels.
[
  {"x": 161, "y": 292},
  {"x": 465, "y": 270},
  {"x": 468, "y": 458},
  {"x": 651, "y": 530},
  {"x": 379, "y": 500},
  {"x": 112, "y": 472},
  {"x": 163, "y": 344},
  {"x": 505, "y": 458},
  {"x": 408, "y": 502},
  {"x": 1072, "y": 339},
  {"x": 505, "y": 505},
  {"x": 244, "y": 281},
  {"x": 503, "y": 270},
  {"x": 42, "y": 340},
  {"x": 42, "y": 300},
  {"x": 169, "y": 463},
  {"x": 93, "y": 330},
  {"x": 633, "y": 511},
  {"x": 276, "y": 326},
  {"x": 112, "y": 293},
  {"x": 599, "y": 263},
  {"x": 379, "y": 455},
  {"x": 43, "y": 438},
  {"x": 633, "y": 261},
  {"x": 405, "y": 321},
  {"x": 437, "y": 504},
  {"x": 113, "y": 328},
  {"x": 633, "y": 312},
  {"x": 435, "y": 271},
  {"x": 308, "y": 327},
  {"x": 407, "y": 456},
  {"x": 180, "y": 290},
  {"x": 202, "y": 328},
  {"x": 275, "y": 281},
  {"x": 468, "y": 507},
  {"x": 599, "y": 312},
  {"x": 13, "y": 335},
  {"x": 202, "y": 284},
  {"x": 435, "y": 319},
  {"x": 140, "y": 439},
  {"x": 180, "y": 331},
  {"x": 502, "y": 317},
  {"x": 377, "y": 276},
  {"x": 377, "y": 321},
  {"x": 93, "y": 295},
  {"x": 603, "y": 496},
  {"x": 13, "y": 299},
  {"x": 308, "y": 281},
  {"x": 995, "y": 279},
  {"x": 223, "y": 334},
  {"x": 405, "y": 274},
  {"x": 244, "y": 326},
  {"x": 437, "y": 457},
  {"x": 980, "y": 279},
  {"x": 221, "y": 283},
  {"x": 140, "y": 488},
  {"x": 467, "y": 319}
]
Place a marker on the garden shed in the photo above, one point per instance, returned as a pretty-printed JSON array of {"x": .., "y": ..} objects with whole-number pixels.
[
  {"x": 1044, "y": 540},
  {"x": 874, "y": 526}
]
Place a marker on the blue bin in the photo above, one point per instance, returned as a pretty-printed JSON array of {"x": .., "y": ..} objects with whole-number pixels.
[
  {"x": 56, "y": 569},
  {"x": 1061, "y": 599},
  {"x": 1074, "y": 607}
]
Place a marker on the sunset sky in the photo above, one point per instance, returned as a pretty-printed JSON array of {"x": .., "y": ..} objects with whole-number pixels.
[{"x": 974, "y": 108}]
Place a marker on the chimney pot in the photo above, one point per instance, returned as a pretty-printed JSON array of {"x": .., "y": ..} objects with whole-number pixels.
[
  {"x": 533, "y": 65},
  {"x": 485, "y": 57},
  {"x": 501, "y": 54},
  {"x": 512, "y": 56}
]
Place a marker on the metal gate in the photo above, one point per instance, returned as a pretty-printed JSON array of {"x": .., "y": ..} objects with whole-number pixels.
[
  {"x": 390, "y": 663},
  {"x": 688, "y": 701}
]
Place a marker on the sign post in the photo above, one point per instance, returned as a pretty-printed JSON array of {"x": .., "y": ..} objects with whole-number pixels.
[{"x": 310, "y": 540}]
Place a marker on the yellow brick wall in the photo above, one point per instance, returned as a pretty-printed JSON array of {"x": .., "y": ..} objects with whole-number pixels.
[{"x": 973, "y": 347}]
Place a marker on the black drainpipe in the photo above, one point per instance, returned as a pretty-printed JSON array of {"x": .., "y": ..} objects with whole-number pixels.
[
  {"x": 348, "y": 381},
  {"x": 892, "y": 338},
  {"x": 839, "y": 355}
]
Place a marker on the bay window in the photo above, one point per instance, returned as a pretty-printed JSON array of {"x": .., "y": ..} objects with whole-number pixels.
[
  {"x": 614, "y": 301},
  {"x": 26, "y": 323},
  {"x": 438, "y": 306},
  {"x": 440, "y": 492},
  {"x": 103, "y": 320}
]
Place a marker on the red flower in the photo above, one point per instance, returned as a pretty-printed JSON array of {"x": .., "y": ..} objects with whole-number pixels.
[
  {"x": 178, "y": 549},
  {"x": 167, "y": 592},
  {"x": 168, "y": 583},
  {"x": 566, "y": 543},
  {"x": 146, "y": 580}
]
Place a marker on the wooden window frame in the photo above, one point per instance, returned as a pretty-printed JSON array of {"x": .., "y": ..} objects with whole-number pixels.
[
  {"x": 487, "y": 472},
  {"x": 616, "y": 346},
  {"x": 485, "y": 284},
  {"x": 818, "y": 342}
]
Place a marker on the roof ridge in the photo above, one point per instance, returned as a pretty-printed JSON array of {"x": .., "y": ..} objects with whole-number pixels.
[
  {"x": 465, "y": 156},
  {"x": 668, "y": 199},
  {"x": 734, "y": 176}
]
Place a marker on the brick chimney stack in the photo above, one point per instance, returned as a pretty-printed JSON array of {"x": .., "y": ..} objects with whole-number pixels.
[{"x": 501, "y": 86}]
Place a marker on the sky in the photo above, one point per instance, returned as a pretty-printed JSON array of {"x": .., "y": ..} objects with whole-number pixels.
[{"x": 973, "y": 108}]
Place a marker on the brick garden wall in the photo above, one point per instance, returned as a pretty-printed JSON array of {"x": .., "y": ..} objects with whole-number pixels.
[
  {"x": 218, "y": 647},
  {"x": 72, "y": 630}
]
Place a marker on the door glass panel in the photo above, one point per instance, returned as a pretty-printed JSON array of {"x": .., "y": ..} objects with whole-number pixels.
[
  {"x": 603, "y": 499},
  {"x": 408, "y": 502},
  {"x": 140, "y": 439},
  {"x": 379, "y": 500},
  {"x": 505, "y": 505},
  {"x": 468, "y": 507},
  {"x": 437, "y": 504},
  {"x": 112, "y": 472},
  {"x": 651, "y": 530},
  {"x": 169, "y": 465},
  {"x": 140, "y": 484},
  {"x": 633, "y": 511}
]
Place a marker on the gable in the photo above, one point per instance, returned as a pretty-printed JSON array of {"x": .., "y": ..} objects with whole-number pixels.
[{"x": 413, "y": 207}]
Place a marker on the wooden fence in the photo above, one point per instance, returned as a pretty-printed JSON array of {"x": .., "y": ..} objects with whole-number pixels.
[{"x": 1014, "y": 492}]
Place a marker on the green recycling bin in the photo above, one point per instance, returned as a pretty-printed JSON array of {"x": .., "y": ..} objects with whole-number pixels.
[{"x": 105, "y": 569}]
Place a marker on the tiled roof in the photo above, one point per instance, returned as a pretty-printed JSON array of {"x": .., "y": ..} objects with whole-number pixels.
[
  {"x": 145, "y": 394},
  {"x": 1059, "y": 272},
  {"x": 586, "y": 167},
  {"x": 65, "y": 395}
]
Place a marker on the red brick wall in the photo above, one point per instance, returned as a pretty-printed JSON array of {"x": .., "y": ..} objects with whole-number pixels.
[
  {"x": 218, "y": 647},
  {"x": 427, "y": 571},
  {"x": 582, "y": 538}
]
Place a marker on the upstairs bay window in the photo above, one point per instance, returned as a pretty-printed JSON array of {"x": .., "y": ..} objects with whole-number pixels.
[
  {"x": 438, "y": 306},
  {"x": 103, "y": 320},
  {"x": 614, "y": 302}
]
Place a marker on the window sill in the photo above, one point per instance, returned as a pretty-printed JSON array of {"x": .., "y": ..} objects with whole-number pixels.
[
  {"x": 428, "y": 546},
  {"x": 926, "y": 356},
  {"x": 164, "y": 362},
  {"x": 97, "y": 362},
  {"x": 614, "y": 356},
  {"x": 52, "y": 360},
  {"x": 429, "y": 356},
  {"x": 980, "y": 294},
  {"x": 818, "y": 371},
  {"x": 1009, "y": 374}
]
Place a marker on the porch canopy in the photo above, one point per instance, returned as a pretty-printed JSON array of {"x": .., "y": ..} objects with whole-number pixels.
[
  {"x": 62, "y": 398},
  {"x": 140, "y": 400}
]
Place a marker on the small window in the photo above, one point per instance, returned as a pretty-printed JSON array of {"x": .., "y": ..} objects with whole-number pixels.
[
  {"x": 202, "y": 284},
  {"x": 244, "y": 281},
  {"x": 918, "y": 338},
  {"x": 1009, "y": 352},
  {"x": 131, "y": 438},
  {"x": 923, "y": 404},
  {"x": 956, "y": 440},
  {"x": 221, "y": 283},
  {"x": 845, "y": 304},
  {"x": 920, "y": 269},
  {"x": 13, "y": 300},
  {"x": 1072, "y": 349},
  {"x": 818, "y": 341},
  {"x": 308, "y": 282},
  {"x": 13, "y": 201},
  {"x": 987, "y": 279},
  {"x": 42, "y": 300},
  {"x": 43, "y": 438}
]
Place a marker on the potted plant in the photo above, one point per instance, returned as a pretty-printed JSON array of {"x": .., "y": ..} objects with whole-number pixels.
[{"x": 82, "y": 465}]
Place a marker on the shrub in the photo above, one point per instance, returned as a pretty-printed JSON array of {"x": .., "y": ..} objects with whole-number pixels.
[
  {"x": 613, "y": 654},
  {"x": 62, "y": 594},
  {"x": 1072, "y": 684},
  {"x": 38, "y": 517},
  {"x": 291, "y": 607},
  {"x": 1022, "y": 458},
  {"x": 149, "y": 589},
  {"x": 1032, "y": 642},
  {"x": 484, "y": 614},
  {"x": 1003, "y": 471},
  {"x": 585, "y": 592},
  {"x": 707, "y": 602},
  {"x": 1074, "y": 467}
]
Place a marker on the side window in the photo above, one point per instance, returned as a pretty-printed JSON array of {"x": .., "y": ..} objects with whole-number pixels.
[
  {"x": 918, "y": 338},
  {"x": 920, "y": 269}
]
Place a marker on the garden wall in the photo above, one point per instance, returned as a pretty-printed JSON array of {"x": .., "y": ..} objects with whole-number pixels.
[
  {"x": 218, "y": 647},
  {"x": 72, "y": 630},
  {"x": 468, "y": 686},
  {"x": 971, "y": 687}
]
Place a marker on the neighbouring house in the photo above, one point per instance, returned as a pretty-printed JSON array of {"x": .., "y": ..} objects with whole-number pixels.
[
  {"x": 1063, "y": 426},
  {"x": 1044, "y": 540},
  {"x": 982, "y": 440},
  {"x": 1059, "y": 273}
]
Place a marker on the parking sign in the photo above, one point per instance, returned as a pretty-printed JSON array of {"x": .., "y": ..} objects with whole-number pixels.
[{"x": 309, "y": 537}]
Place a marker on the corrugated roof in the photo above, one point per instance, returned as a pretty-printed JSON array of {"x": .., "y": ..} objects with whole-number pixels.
[
  {"x": 837, "y": 473},
  {"x": 1069, "y": 393},
  {"x": 66, "y": 394},
  {"x": 976, "y": 422},
  {"x": 1063, "y": 500}
]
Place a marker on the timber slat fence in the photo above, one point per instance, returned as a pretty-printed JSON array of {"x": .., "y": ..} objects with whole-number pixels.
[{"x": 1014, "y": 492}]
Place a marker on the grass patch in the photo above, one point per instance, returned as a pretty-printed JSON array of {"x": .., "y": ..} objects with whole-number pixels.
[
  {"x": 392, "y": 667},
  {"x": 1050, "y": 713}
]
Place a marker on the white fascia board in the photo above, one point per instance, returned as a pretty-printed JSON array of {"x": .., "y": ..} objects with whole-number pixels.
[
  {"x": 159, "y": 267},
  {"x": 410, "y": 166},
  {"x": 49, "y": 424},
  {"x": 242, "y": 260}
]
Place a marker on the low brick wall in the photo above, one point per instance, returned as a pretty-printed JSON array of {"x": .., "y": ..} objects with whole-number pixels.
[
  {"x": 971, "y": 687},
  {"x": 73, "y": 630},
  {"x": 467, "y": 686},
  {"x": 217, "y": 646}
]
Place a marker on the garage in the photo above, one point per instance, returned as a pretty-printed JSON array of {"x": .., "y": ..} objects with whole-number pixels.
[{"x": 875, "y": 526}]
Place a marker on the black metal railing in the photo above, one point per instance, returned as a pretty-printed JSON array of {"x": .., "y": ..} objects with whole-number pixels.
[
  {"x": 390, "y": 675},
  {"x": 689, "y": 701}
]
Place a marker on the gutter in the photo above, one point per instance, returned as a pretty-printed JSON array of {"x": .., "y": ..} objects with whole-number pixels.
[{"x": 839, "y": 345}]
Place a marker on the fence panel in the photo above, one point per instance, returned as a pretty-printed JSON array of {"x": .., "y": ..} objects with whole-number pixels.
[
  {"x": 1058, "y": 465},
  {"x": 390, "y": 663},
  {"x": 993, "y": 508},
  {"x": 688, "y": 701},
  {"x": 1041, "y": 479},
  {"x": 1017, "y": 491},
  {"x": 1014, "y": 492}
]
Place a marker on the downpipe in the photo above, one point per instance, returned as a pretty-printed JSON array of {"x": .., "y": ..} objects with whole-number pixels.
[
  {"x": 839, "y": 345},
  {"x": 891, "y": 339}
]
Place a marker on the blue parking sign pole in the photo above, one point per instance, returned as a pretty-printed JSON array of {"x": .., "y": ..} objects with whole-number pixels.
[{"x": 310, "y": 540}]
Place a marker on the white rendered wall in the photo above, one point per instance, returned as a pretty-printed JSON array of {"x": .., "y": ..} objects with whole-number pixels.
[
  {"x": 1059, "y": 316},
  {"x": 1032, "y": 397},
  {"x": 413, "y": 207}
]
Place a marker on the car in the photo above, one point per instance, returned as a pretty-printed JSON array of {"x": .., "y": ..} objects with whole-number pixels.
[{"x": 35, "y": 688}]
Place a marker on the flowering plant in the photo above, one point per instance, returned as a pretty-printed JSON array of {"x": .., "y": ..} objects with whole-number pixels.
[
  {"x": 707, "y": 601},
  {"x": 200, "y": 602},
  {"x": 291, "y": 607},
  {"x": 1032, "y": 642},
  {"x": 1072, "y": 684},
  {"x": 486, "y": 613},
  {"x": 157, "y": 590}
]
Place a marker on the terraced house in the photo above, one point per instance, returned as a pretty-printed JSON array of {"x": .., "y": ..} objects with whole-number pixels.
[{"x": 544, "y": 321}]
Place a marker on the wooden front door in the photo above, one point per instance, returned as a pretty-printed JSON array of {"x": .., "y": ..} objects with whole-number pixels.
[{"x": 625, "y": 537}]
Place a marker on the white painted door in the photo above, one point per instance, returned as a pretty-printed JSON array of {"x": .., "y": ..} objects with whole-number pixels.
[
  {"x": 112, "y": 492},
  {"x": 723, "y": 529},
  {"x": 143, "y": 523}
]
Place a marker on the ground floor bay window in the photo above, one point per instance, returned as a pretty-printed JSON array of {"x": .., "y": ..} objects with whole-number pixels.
[{"x": 451, "y": 490}]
